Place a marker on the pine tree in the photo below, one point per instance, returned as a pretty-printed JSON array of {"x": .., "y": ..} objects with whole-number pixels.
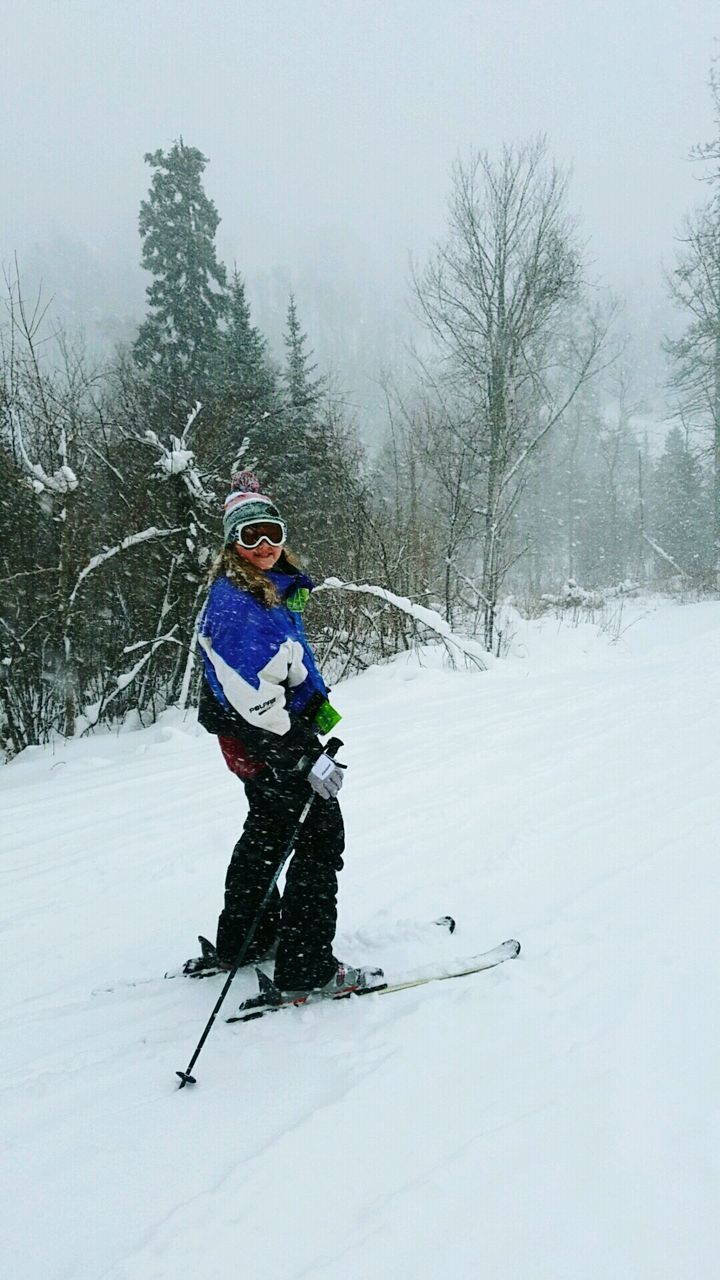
[
  {"x": 682, "y": 524},
  {"x": 302, "y": 391},
  {"x": 187, "y": 299},
  {"x": 305, "y": 436},
  {"x": 302, "y": 397},
  {"x": 245, "y": 380}
]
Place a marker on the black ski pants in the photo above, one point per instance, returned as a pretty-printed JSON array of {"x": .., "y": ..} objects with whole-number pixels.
[{"x": 303, "y": 921}]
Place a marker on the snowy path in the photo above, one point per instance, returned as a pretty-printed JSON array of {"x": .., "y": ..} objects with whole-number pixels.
[{"x": 553, "y": 1119}]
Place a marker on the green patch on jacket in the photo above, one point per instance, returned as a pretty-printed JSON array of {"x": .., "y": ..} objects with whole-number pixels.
[
  {"x": 326, "y": 718},
  {"x": 297, "y": 600}
]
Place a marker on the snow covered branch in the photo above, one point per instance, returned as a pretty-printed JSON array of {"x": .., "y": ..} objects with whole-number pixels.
[
  {"x": 187, "y": 674},
  {"x": 426, "y": 617},
  {"x": 132, "y": 540},
  {"x": 63, "y": 480},
  {"x": 29, "y": 573},
  {"x": 126, "y": 677},
  {"x": 663, "y": 554},
  {"x": 179, "y": 460}
]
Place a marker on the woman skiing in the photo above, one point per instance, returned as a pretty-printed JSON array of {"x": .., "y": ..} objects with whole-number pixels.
[{"x": 264, "y": 698}]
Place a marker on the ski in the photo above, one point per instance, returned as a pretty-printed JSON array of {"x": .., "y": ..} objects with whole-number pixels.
[
  {"x": 206, "y": 966},
  {"x": 270, "y": 1000}
]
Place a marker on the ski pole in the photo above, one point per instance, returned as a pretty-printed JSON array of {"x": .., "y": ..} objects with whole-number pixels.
[{"x": 331, "y": 749}]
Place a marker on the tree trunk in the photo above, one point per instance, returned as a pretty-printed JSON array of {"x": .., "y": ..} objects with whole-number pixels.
[
  {"x": 65, "y": 658},
  {"x": 716, "y": 466}
]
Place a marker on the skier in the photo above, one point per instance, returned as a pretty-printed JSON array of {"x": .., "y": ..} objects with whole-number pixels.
[{"x": 265, "y": 700}]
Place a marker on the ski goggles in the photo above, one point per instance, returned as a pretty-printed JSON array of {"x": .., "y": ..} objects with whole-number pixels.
[{"x": 256, "y": 531}]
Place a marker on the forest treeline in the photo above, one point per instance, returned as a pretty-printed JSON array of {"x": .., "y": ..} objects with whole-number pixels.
[{"x": 512, "y": 467}]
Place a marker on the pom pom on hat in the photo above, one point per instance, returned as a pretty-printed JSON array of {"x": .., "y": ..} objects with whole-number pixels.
[
  {"x": 245, "y": 504},
  {"x": 245, "y": 482}
]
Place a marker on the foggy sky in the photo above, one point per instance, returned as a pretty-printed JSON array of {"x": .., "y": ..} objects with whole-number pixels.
[{"x": 331, "y": 125}]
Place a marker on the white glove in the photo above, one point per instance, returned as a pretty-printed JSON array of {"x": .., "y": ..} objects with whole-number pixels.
[{"x": 326, "y": 777}]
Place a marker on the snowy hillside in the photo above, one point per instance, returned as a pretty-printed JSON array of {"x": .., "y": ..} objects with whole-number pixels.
[{"x": 553, "y": 1119}]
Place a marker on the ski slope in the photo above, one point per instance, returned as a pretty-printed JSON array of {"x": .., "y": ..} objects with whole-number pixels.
[{"x": 553, "y": 1119}]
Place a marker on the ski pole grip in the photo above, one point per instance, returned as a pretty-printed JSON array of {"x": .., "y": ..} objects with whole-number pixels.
[{"x": 333, "y": 747}]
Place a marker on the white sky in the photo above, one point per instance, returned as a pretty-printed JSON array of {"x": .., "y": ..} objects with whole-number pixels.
[{"x": 331, "y": 125}]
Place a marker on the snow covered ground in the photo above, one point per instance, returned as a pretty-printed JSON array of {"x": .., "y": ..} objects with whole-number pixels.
[{"x": 553, "y": 1119}]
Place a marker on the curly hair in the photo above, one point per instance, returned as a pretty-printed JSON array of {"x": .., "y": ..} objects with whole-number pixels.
[{"x": 246, "y": 577}]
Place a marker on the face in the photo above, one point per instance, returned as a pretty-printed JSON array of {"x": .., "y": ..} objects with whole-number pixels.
[{"x": 263, "y": 556}]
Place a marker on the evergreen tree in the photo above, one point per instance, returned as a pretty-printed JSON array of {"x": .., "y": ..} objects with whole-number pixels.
[
  {"x": 308, "y": 433},
  {"x": 247, "y": 395},
  {"x": 302, "y": 391},
  {"x": 301, "y": 403},
  {"x": 681, "y": 523},
  {"x": 177, "y": 342}
]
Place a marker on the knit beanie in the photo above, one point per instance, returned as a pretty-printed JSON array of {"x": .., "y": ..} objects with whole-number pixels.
[{"x": 245, "y": 504}]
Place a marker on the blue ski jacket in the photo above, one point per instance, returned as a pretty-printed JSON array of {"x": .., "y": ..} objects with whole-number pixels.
[{"x": 261, "y": 677}]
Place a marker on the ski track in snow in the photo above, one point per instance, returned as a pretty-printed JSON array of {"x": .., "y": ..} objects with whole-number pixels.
[{"x": 553, "y": 1119}]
